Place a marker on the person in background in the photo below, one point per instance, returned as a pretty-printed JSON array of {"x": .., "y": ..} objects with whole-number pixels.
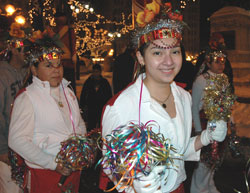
[
  {"x": 12, "y": 75},
  {"x": 155, "y": 96},
  {"x": 68, "y": 38},
  {"x": 123, "y": 69},
  {"x": 203, "y": 175},
  {"x": 45, "y": 114},
  {"x": 96, "y": 91},
  {"x": 216, "y": 42},
  {"x": 186, "y": 75}
]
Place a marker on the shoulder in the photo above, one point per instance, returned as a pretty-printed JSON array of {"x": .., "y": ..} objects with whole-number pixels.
[
  {"x": 179, "y": 89},
  {"x": 200, "y": 79},
  {"x": 181, "y": 92},
  {"x": 121, "y": 108},
  {"x": 71, "y": 93},
  {"x": 125, "y": 98},
  {"x": 89, "y": 80},
  {"x": 21, "y": 97},
  {"x": 105, "y": 80}
]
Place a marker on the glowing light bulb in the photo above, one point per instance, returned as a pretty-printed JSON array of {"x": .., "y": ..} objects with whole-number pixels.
[
  {"x": 86, "y": 6},
  {"x": 10, "y": 9},
  {"x": 20, "y": 19}
]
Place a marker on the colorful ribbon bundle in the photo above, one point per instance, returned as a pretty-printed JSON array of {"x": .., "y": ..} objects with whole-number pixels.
[
  {"x": 77, "y": 152},
  {"x": 132, "y": 149},
  {"x": 217, "y": 103}
]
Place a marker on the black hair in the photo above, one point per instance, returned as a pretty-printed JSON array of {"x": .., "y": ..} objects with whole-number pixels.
[
  {"x": 143, "y": 47},
  {"x": 35, "y": 64},
  {"x": 97, "y": 66}
]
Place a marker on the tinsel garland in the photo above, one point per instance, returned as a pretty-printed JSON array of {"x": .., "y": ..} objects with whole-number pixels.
[
  {"x": 18, "y": 168},
  {"x": 133, "y": 150},
  {"x": 217, "y": 103},
  {"x": 218, "y": 98}
]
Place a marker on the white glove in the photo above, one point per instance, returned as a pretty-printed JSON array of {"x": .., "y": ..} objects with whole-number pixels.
[
  {"x": 150, "y": 183},
  {"x": 218, "y": 134}
]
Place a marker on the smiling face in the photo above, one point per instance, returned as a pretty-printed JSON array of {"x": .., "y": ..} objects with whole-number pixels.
[
  {"x": 49, "y": 70},
  {"x": 162, "y": 64}
]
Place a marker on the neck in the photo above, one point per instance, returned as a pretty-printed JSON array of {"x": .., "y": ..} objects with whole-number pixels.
[
  {"x": 158, "y": 91},
  {"x": 55, "y": 91}
]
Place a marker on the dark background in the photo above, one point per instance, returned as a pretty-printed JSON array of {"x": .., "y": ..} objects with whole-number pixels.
[{"x": 208, "y": 7}]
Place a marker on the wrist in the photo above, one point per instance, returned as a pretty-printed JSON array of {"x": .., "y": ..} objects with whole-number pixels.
[{"x": 206, "y": 137}]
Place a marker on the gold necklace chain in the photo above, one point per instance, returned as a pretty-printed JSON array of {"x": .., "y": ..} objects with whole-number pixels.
[
  {"x": 59, "y": 101},
  {"x": 163, "y": 103}
]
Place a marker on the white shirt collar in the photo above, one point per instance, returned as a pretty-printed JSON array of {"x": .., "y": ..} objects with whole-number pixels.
[{"x": 145, "y": 93}]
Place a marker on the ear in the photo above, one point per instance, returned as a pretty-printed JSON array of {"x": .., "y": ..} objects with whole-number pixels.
[
  {"x": 140, "y": 58},
  {"x": 33, "y": 70}
]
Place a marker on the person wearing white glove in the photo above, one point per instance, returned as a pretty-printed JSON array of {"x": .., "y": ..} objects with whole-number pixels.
[
  {"x": 155, "y": 97},
  {"x": 150, "y": 183},
  {"x": 217, "y": 134},
  {"x": 203, "y": 175}
]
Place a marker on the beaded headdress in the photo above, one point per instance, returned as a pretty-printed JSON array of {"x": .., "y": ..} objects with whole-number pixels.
[
  {"x": 211, "y": 56},
  {"x": 157, "y": 21},
  {"x": 42, "y": 46}
]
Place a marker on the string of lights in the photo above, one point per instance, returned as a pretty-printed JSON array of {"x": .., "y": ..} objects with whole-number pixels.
[
  {"x": 48, "y": 12},
  {"x": 89, "y": 34},
  {"x": 184, "y": 3},
  {"x": 33, "y": 10},
  {"x": 92, "y": 37}
]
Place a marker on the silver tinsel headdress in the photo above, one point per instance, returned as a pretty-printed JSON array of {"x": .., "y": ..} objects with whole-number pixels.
[
  {"x": 157, "y": 21},
  {"x": 211, "y": 56},
  {"x": 42, "y": 46}
]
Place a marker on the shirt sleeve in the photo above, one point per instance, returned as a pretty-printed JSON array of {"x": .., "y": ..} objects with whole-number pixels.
[
  {"x": 190, "y": 153},
  {"x": 21, "y": 134},
  {"x": 197, "y": 92},
  {"x": 110, "y": 121}
]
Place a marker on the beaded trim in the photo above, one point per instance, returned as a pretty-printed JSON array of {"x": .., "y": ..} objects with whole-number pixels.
[{"x": 175, "y": 44}]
